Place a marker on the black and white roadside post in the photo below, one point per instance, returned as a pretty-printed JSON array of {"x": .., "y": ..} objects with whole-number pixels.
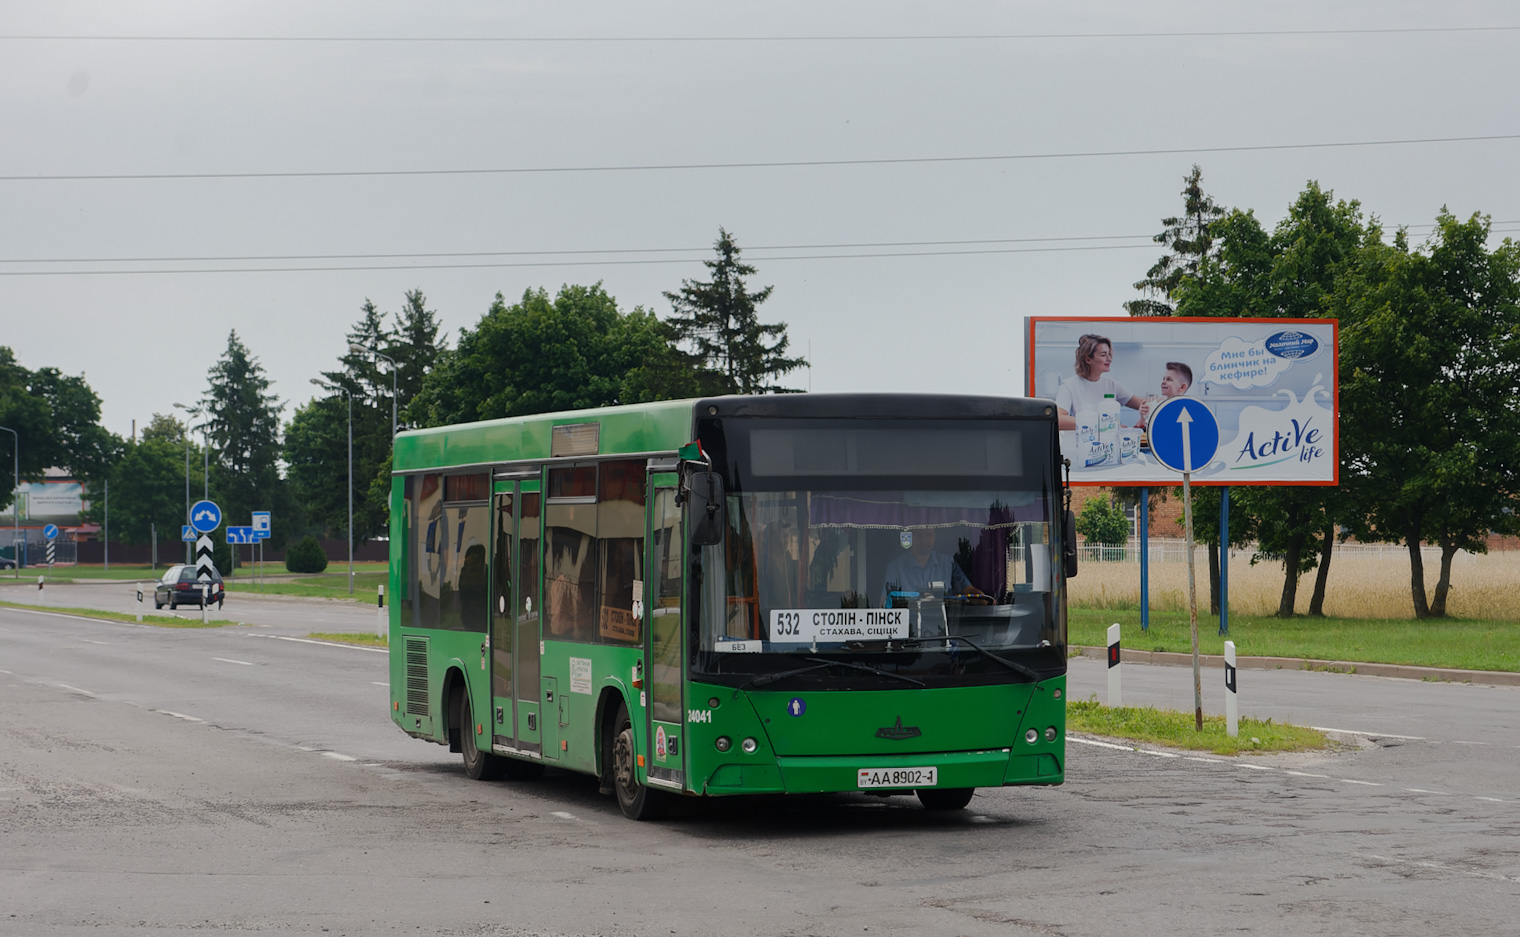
[
  {"x": 382, "y": 624},
  {"x": 1114, "y": 698},
  {"x": 51, "y": 533},
  {"x": 139, "y": 602},
  {"x": 1231, "y": 705},
  {"x": 205, "y": 517},
  {"x": 1184, "y": 436}
]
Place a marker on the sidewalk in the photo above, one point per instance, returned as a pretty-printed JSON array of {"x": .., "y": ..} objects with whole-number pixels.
[{"x": 1404, "y": 671}]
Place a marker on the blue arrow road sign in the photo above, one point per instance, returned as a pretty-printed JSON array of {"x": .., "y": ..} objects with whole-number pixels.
[
  {"x": 187, "y": 533},
  {"x": 50, "y": 531},
  {"x": 1184, "y": 434},
  {"x": 205, "y": 516},
  {"x": 239, "y": 534}
]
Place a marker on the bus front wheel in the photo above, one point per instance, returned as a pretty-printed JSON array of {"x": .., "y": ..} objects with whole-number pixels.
[
  {"x": 945, "y": 798},
  {"x": 635, "y": 800}
]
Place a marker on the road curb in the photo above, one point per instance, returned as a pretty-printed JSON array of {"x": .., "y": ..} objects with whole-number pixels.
[{"x": 1402, "y": 671}]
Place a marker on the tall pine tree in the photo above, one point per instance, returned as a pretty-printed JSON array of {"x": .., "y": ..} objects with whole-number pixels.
[
  {"x": 1188, "y": 238},
  {"x": 718, "y": 321}
]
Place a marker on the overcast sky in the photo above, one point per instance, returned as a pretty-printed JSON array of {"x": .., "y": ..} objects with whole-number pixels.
[{"x": 349, "y": 91}]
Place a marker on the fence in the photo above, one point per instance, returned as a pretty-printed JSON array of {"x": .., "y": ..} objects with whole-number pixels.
[{"x": 1174, "y": 551}]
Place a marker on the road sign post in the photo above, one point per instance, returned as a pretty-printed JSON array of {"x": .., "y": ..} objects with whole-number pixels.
[{"x": 1184, "y": 437}]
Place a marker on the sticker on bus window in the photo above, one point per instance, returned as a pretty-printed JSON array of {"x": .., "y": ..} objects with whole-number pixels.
[
  {"x": 729, "y": 645},
  {"x": 810, "y": 625}
]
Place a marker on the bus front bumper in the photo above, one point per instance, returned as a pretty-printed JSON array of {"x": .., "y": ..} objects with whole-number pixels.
[{"x": 840, "y": 773}]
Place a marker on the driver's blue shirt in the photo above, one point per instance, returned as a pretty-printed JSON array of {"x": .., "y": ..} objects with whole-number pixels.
[{"x": 904, "y": 574}]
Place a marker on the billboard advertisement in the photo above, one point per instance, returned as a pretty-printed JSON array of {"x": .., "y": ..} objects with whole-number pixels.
[
  {"x": 50, "y": 502},
  {"x": 1269, "y": 383}
]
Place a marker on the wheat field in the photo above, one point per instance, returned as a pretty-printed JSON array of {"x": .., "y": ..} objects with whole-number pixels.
[{"x": 1483, "y": 586}]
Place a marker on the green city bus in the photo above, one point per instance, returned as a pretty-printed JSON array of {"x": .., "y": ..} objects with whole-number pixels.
[{"x": 796, "y": 593}]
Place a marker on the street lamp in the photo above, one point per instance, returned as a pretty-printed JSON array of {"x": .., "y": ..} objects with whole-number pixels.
[
  {"x": 358, "y": 349},
  {"x": 204, "y": 471},
  {"x": 205, "y": 452},
  {"x": 344, "y": 391},
  {"x": 16, "y": 503}
]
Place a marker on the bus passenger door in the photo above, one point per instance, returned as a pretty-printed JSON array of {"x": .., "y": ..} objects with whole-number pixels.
[
  {"x": 661, "y": 598},
  {"x": 528, "y": 645},
  {"x": 503, "y": 621}
]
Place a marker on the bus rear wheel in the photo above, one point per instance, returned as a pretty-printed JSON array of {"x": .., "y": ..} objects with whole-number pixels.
[
  {"x": 478, "y": 765},
  {"x": 945, "y": 798},
  {"x": 635, "y": 800}
]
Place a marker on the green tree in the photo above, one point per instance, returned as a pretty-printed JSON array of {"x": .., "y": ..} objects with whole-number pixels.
[
  {"x": 719, "y": 322},
  {"x": 1430, "y": 341},
  {"x": 147, "y": 487},
  {"x": 1189, "y": 240},
  {"x": 1102, "y": 520},
  {"x": 540, "y": 354},
  {"x": 413, "y": 344},
  {"x": 242, "y": 420},
  {"x": 1289, "y": 274}
]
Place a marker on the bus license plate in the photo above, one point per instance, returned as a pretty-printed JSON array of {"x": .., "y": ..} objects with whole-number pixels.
[{"x": 898, "y": 777}]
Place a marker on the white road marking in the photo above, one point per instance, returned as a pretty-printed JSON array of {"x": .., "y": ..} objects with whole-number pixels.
[
  {"x": 1355, "y": 781},
  {"x": 1421, "y": 790},
  {"x": 7, "y": 673},
  {"x": 336, "y": 756},
  {"x": 76, "y": 689},
  {"x": 1147, "y": 751},
  {"x": 378, "y": 683},
  {"x": 1122, "y": 748},
  {"x": 1380, "y": 735},
  {"x": 228, "y": 660},
  {"x": 563, "y": 815},
  {"x": 1247, "y": 764},
  {"x": 1494, "y": 800},
  {"x": 176, "y": 715},
  {"x": 1306, "y": 774},
  {"x": 351, "y": 647},
  {"x": 1207, "y": 761},
  {"x": 1441, "y": 867},
  {"x": 88, "y": 641}
]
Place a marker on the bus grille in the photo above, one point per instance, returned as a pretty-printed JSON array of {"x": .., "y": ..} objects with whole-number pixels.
[{"x": 416, "y": 676}]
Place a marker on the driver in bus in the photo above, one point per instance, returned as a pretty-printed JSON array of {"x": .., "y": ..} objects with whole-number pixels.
[{"x": 911, "y": 574}]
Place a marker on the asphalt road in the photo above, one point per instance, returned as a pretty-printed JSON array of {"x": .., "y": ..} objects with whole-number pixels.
[{"x": 241, "y": 780}]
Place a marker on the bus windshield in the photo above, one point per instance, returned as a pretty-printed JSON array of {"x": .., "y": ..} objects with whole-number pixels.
[{"x": 956, "y": 575}]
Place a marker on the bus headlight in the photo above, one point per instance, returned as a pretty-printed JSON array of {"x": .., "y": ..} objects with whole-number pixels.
[
  {"x": 723, "y": 743},
  {"x": 1032, "y": 736},
  {"x": 749, "y": 746},
  {"x": 1050, "y": 734}
]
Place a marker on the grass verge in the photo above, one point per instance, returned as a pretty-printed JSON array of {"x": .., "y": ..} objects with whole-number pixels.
[
  {"x": 319, "y": 586},
  {"x": 1179, "y": 730},
  {"x": 359, "y": 638},
  {"x": 161, "y": 621},
  {"x": 1467, "y": 645}
]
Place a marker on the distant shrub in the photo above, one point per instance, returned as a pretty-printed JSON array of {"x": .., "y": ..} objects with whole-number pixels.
[{"x": 306, "y": 557}]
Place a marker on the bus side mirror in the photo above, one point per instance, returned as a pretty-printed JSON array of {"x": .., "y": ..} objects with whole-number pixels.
[
  {"x": 1069, "y": 544},
  {"x": 705, "y": 492}
]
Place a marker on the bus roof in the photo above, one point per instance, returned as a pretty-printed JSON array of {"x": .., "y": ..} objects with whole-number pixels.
[{"x": 664, "y": 426}]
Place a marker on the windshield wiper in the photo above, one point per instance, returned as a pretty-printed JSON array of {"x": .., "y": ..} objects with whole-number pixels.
[
  {"x": 820, "y": 663},
  {"x": 1011, "y": 665}
]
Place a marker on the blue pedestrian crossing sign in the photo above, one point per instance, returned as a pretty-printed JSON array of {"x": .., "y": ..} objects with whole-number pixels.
[
  {"x": 50, "y": 531},
  {"x": 187, "y": 533},
  {"x": 205, "y": 516},
  {"x": 1184, "y": 434}
]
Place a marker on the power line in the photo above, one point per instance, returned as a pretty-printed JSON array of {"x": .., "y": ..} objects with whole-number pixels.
[
  {"x": 557, "y": 263},
  {"x": 775, "y": 164},
  {"x": 1496, "y": 227},
  {"x": 540, "y": 253},
  {"x": 948, "y": 37}
]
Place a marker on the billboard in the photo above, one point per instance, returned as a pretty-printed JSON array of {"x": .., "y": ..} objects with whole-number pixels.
[
  {"x": 1270, "y": 384},
  {"x": 48, "y": 502}
]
